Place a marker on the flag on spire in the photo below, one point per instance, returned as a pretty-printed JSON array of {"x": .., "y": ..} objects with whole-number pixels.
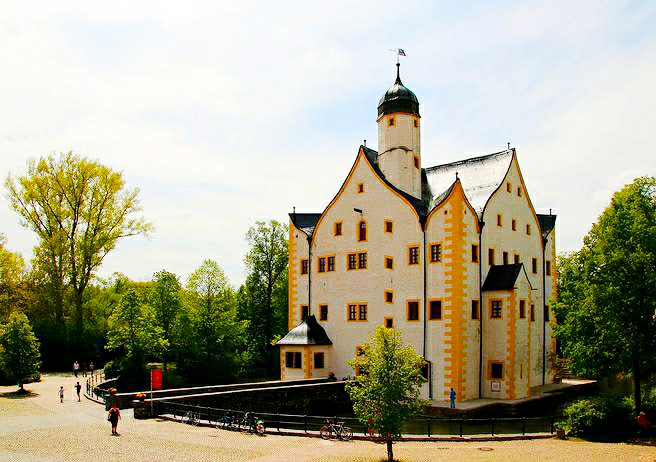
[{"x": 401, "y": 52}]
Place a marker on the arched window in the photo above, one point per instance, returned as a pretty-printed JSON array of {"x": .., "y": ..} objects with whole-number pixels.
[{"x": 362, "y": 231}]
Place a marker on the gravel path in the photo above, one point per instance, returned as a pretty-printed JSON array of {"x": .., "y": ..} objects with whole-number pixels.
[{"x": 40, "y": 428}]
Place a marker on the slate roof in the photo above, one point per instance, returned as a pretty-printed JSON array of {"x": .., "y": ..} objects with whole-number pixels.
[
  {"x": 398, "y": 98},
  {"x": 547, "y": 224},
  {"x": 305, "y": 221},
  {"x": 502, "y": 277},
  {"x": 309, "y": 332},
  {"x": 479, "y": 176}
]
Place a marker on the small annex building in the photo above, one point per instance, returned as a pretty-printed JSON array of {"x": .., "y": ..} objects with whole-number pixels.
[{"x": 453, "y": 256}]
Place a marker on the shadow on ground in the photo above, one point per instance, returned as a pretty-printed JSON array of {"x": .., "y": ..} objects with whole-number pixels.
[{"x": 18, "y": 394}]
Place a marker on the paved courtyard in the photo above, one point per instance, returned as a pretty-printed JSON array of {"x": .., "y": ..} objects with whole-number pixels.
[{"x": 40, "y": 428}]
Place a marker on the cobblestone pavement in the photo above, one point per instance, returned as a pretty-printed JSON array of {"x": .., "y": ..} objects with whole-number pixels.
[{"x": 40, "y": 428}]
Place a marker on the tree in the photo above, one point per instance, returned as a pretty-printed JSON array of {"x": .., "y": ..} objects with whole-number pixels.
[
  {"x": 263, "y": 296},
  {"x": 79, "y": 209},
  {"x": 165, "y": 299},
  {"x": 19, "y": 349},
  {"x": 12, "y": 280},
  {"x": 134, "y": 333},
  {"x": 607, "y": 290},
  {"x": 385, "y": 393}
]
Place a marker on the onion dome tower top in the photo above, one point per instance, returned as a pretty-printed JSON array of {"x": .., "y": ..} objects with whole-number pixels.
[{"x": 398, "y": 98}]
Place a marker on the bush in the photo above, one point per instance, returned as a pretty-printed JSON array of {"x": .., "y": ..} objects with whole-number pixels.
[{"x": 599, "y": 418}]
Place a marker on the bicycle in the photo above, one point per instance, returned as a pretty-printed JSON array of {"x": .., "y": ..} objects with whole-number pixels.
[
  {"x": 191, "y": 418},
  {"x": 339, "y": 430},
  {"x": 228, "y": 422},
  {"x": 252, "y": 424}
]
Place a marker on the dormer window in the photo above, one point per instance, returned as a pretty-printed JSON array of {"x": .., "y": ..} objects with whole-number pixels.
[{"x": 390, "y": 122}]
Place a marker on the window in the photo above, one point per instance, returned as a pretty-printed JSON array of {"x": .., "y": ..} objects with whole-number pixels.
[
  {"x": 389, "y": 262},
  {"x": 338, "y": 228},
  {"x": 293, "y": 359},
  {"x": 519, "y": 191},
  {"x": 352, "y": 312},
  {"x": 505, "y": 258},
  {"x": 474, "y": 309},
  {"x": 389, "y": 296},
  {"x": 425, "y": 370},
  {"x": 323, "y": 312},
  {"x": 547, "y": 267},
  {"x": 322, "y": 264},
  {"x": 498, "y": 220},
  {"x": 362, "y": 260},
  {"x": 435, "y": 309},
  {"x": 436, "y": 253},
  {"x": 304, "y": 266},
  {"x": 390, "y": 122},
  {"x": 534, "y": 265},
  {"x": 514, "y": 224},
  {"x": 318, "y": 360},
  {"x": 389, "y": 323},
  {"x": 496, "y": 370},
  {"x": 362, "y": 312},
  {"x": 389, "y": 226},
  {"x": 528, "y": 229},
  {"x": 490, "y": 256},
  {"x": 516, "y": 259},
  {"x": 331, "y": 263},
  {"x": 413, "y": 255},
  {"x": 416, "y": 161},
  {"x": 474, "y": 253},
  {"x": 508, "y": 187},
  {"x": 362, "y": 231},
  {"x": 495, "y": 309},
  {"x": 360, "y": 187},
  {"x": 522, "y": 309},
  {"x": 546, "y": 313},
  {"x": 413, "y": 311},
  {"x": 532, "y": 312},
  {"x": 416, "y": 123},
  {"x": 305, "y": 312},
  {"x": 351, "y": 261}
]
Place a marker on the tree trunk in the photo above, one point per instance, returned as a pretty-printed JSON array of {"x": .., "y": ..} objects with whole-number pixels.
[{"x": 390, "y": 451}]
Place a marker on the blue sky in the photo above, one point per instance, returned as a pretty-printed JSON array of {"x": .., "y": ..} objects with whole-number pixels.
[{"x": 224, "y": 113}]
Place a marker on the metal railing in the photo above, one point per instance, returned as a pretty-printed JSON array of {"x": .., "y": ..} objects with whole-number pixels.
[
  {"x": 97, "y": 386},
  {"x": 421, "y": 426}
]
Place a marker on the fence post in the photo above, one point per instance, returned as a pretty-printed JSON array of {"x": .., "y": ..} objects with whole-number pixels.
[
  {"x": 305, "y": 423},
  {"x": 461, "y": 422},
  {"x": 429, "y": 426},
  {"x": 553, "y": 421},
  {"x": 523, "y": 425},
  {"x": 493, "y": 421}
]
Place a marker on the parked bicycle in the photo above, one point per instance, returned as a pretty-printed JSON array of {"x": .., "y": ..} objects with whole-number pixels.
[
  {"x": 338, "y": 430},
  {"x": 191, "y": 418},
  {"x": 252, "y": 424},
  {"x": 228, "y": 422}
]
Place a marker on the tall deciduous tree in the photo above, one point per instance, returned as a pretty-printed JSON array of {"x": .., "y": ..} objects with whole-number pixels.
[
  {"x": 263, "y": 297},
  {"x": 165, "y": 300},
  {"x": 607, "y": 290},
  {"x": 386, "y": 392},
  {"x": 79, "y": 209},
  {"x": 12, "y": 280},
  {"x": 19, "y": 349}
]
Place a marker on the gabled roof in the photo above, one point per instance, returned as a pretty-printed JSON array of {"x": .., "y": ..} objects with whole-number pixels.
[
  {"x": 480, "y": 177},
  {"x": 547, "y": 224},
  {"x": 305, "y": 221},
  {"x": 309, "y": 332},
  {"x": 502, "y": 277}
]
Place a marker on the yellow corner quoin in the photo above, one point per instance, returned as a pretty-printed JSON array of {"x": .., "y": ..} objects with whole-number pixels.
[{"x": 386, "y": 218}]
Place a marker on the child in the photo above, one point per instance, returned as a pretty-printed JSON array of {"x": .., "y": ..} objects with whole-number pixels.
[{"x": 61, "y": 394}]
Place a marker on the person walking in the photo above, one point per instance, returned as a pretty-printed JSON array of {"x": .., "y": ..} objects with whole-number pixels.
[
  {"x": 91, "y": 368},
  {"x": 76, "y": 368},
  {"x": 114, "y": 416},
  {"x": 452, "y": 397},
  {"x": 61, "y": 394},
  {"x": 78, "y": 387}
]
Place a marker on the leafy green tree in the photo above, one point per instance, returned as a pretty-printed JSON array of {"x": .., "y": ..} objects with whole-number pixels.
[
  {"x": 12, "y": 280},
  {"x": 79, "y": 209},
  {"x": 607, "y": 290},
  {"x": 210, "y": 336},
  {"x": 263, "y": 296},
  {"x": 135, "y": 335},
  {"x": 19, "y": 349},
  {"x": 165, "y": 299},
  {"x": 386, "y": 392}
]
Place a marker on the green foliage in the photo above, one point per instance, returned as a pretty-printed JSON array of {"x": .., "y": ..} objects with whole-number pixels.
[
  {"x": 19, "y": 349},
  {"x": 12, "y": 281},
  {"x": 165, "y": 300},
  {"x": 599, "y": 418},
  {"x": 607, "y": 290},
  {"x": 262, "y": 299},
  {"x": 79, "y": 209},
  {"x": 386, "y": 392}
]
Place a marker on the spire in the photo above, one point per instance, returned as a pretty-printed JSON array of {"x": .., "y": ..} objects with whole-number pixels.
[{"x": 398, "y": 74}]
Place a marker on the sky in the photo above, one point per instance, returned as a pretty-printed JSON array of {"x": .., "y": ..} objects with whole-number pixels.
[{"x": 225, "y": 113}]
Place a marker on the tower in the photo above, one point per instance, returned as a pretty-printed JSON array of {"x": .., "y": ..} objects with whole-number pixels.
[{"x": 399, "y": 154}]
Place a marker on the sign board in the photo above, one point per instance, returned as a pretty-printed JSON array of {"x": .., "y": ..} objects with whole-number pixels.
[
  {"x": 496, "y": 386},
  {"x": 155, "y": 379}
]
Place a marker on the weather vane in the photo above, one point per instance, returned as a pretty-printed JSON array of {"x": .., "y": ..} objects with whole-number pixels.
[{"x": 399, "y": 52}]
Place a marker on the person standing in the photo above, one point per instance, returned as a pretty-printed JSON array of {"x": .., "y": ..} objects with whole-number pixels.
[
  {"x": 61, "y": 394},
  {"x": 452, "y": 397},
  {"x": 114, "y": 416},
  {"x": 91, "y": 368},
  {"x": 78, "y": 387},
  {"x": 76, "y": 368}
]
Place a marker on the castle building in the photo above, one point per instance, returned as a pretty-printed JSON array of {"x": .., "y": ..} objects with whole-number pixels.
[{"x": 452, "y": 256}]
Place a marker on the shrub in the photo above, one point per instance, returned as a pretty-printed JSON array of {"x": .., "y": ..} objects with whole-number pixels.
[{"x": 599, "y": 418}]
